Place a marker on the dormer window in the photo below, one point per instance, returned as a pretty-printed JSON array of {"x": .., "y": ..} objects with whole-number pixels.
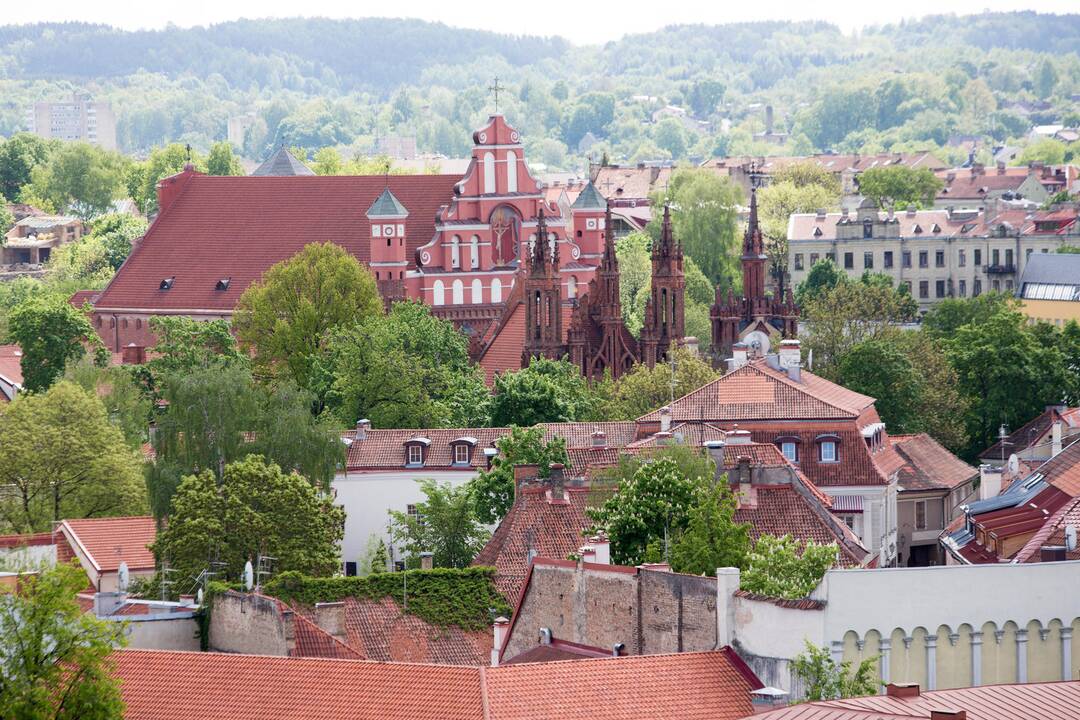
[
  {"x": 223, "y": 283},
  {"x": 789, "y": 446},
  {"x": 416, "y": 451},
  {"x": 167, "y": 283},
  {"x": 461, "y": 450},
  {"x": 828, "y": 451}
]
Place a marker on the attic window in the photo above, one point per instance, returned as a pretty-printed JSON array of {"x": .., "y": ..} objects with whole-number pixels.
[
  {"x": 415, "y": 450},
  {"x": 223, "y": 283},
  {"x": 167, "y": 283},
  {"x": 918, "y": 229},
  {"x": 935, "y": 228},
  {"x": 817, "y": 232}
]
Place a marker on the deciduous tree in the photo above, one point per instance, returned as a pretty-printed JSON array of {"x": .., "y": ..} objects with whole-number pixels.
[
  {"x": 51, "y": 334},
  {"x": 900, "y": 185},
  {"x": 712, "y": 538},
  {"x": 492, "y": 491},
  {"x": 783, "y": 567},
  {"x": 826, "y": 679},
  {"x": 79, "y": 178},
  {"x": 644, "y": 389},
  {"x": 444, "y": 525},
  {"x": 545, "y": 391}
]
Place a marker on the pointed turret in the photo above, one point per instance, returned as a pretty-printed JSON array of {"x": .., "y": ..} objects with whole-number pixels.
[
  {"x": 609, "y": 261},
  {"x": 282, "y": 163}
]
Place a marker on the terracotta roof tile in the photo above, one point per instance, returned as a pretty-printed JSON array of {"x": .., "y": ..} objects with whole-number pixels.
[
  {"x": 927, "y": 465},
  {"x": 312, "y": 641},
  {"x": 238, "y": 227},
  {"x": 11, "y": 363},
  {"x": 110, "y": 541}
]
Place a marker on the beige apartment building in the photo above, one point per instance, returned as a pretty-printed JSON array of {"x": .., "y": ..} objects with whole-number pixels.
[
  {"x": 80, "y": 118},
  {"x": 937, "y": 254}
]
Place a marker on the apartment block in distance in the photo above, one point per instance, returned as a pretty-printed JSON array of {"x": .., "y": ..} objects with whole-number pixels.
[
  {"x": 937, "y": 254},
  {"x": 78, "y": 118}
]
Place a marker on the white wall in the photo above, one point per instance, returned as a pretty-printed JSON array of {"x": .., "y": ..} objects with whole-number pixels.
[
  {"x": 368, "y": 496},
  {"x": 878, "y": 530},
  {"x": 163, "y": 633}
]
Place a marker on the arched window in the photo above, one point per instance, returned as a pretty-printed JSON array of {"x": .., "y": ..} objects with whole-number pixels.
[
  {"x": 458, "y": 292},
  {"x": 477, "y": 292},
  {"x": 496, "y": 290},
  {"x": 455, "y": 252},
  {"x": 489, "y": 173},
  {"x": 437, "y": 293},
  {"x": 474, "y": 252},
  {"x": 511, "y": 172},
  {"x": 571, "y": 287}
]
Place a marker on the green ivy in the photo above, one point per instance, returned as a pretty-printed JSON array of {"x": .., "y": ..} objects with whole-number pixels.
[{"x": 463, "y": 597}]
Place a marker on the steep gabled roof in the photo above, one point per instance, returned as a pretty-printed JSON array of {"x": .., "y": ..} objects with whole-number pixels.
[
  {"x": 758, "y": 392},
  {"x": 589, "y": 199},
  {"x": 282, "y": 163},
  {"x": 387, "y": 206},
  {"x": 927, "y": 465},
  {"x": 107, "y": 542}
]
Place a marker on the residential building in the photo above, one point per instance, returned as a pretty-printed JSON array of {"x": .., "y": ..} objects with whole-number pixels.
[
  {"x": 30, "y": 241},
  {"x": 225, "y": 686},
  {"x": 937, "y": 254},
  {"x": 80, "y": 118},
  {"x": 102, "y": 545},
  {"x": 1050, "y": 288},
  {"x": 1030, "y": 521},
  {"x": 934, "y": 486},
  {"x": 978, "y": 187},
  {"x": 11, "y": 378},
  {"x": 1036, "y": 441},
  {"x": 1031, "y": 701}
]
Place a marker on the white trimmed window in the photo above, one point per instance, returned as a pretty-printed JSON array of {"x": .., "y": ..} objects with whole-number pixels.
[
  {"x": 415, "y": 454},
  {"x": 461, "y": 454},
  {"x": 828, "y": 451},
  {"x": 790, "y": 450}
]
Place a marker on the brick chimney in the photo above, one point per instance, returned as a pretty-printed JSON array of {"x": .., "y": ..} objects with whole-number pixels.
[
  {"x": 556, "y": 482},
  {"x": 133, "y": 354},
  {"x": 599, "y": 440},
  {"x": 362, "y": 426},
  {"x": 1000, "y": 167},
  {"x": 501, "y": 628},
  {"x": 330, "y": 616},
  {"x": 902, "y": 690},
  {"x": 523, "y": 475},
  {"x": 427, "y": 561},
  {"x": 747, "y": 497},
  {"x": 948, "y": 714}
]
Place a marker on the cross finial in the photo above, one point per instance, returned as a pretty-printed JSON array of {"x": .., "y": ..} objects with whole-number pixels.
[
  {"x": 495, "y": 88},
  {"x": 187, "y": 149}
]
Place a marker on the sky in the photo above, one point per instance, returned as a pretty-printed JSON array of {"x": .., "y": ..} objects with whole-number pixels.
[{"x": 581, "y": 21}]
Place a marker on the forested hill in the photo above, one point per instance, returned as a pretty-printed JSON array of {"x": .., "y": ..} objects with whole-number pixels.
[{"x": 366, "y": 54}]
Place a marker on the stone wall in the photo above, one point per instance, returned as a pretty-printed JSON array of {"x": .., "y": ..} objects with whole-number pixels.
[{"x": 249, "y": 624}]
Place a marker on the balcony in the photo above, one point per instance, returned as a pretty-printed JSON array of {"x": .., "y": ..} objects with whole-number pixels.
[{"x": 1000, "y": 269}]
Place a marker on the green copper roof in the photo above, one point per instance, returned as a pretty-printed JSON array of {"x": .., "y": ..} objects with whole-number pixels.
[
  {"x": 589, "y": 199},
  {"x": 387, "y": 206}
]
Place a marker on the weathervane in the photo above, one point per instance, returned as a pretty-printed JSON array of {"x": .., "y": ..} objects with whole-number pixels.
[{"x": 495, "y": 90}]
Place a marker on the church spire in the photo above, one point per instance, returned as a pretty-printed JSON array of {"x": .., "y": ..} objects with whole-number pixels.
[
  {"x": 540, "y": 246},
  {"x": 609, "y": 260},
  {"x": 752, "y": 240}
]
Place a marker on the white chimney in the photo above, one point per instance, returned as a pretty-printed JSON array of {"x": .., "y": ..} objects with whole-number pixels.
[
  {"x": 501, "y": 627},
  {"x": 588, "y": 554},
  {"x": 665, "y": 419},
  {"x": 599, "y": 439},
  {"x": 1055, "y": 438},
  {"x": 740, "y": 355},
  {"x": 602, "y": 547},
  {"x": 989, "y": 481},
  {"x": 738, "y": 437},
  {"x": 362, "y": 426},
  {"x": 715, "y": 448},
  {"x": 790, "y": 357}
]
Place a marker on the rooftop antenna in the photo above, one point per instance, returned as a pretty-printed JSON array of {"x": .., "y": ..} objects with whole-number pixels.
[
  {"x": 265, "y": 568},
  {"x": 165, "y": 581},
  {"x": 187, "y": 150},
  {"x": 1002, "y": 434},
  {"x": 495, "y": 88}
]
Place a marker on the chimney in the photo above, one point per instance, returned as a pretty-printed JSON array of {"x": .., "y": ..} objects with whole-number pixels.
[
  {"x": 663, "y": 438},
  {"x": 602, "y": 547},
  {"x": 911, "y": 211},
  {"x": 738, "y": 437},
  {"x": 791, "y": 359},
  {"x": 768, "y": 119},
  {"x": 489, "y": 455},
  {"x": 1000, "y": 167},
  {"x": 134, "y": 354},
  {"x": 948, "y": 714},
  {"x": 820, "y": 214},
  {"x": 524, "y": 474},
  {"x": 715, "y": 448},
  {"x": 588, "y": 554},
  {"x": 599, "y": 440},
  {"x": 330, "y": 616},
  {"x": 902, "y": 690},
  {"x": 665, "y": 419},
  {"x": 427, "y": 561},
  {"x": 556, "y": 480},
  {"x": 362, "y": 426},
  {"x": 747, "y": 497},
  {"x": 501, "y": 627},
  {"x": 740, "y": 355},
  {"x": 1052, "y": 553},
  {"x": 170, "y": 188},
  {"x": 989, "y": 481},
  {"x": 950, "y": 176},
  {"x": 1055, "y": 438},
  {"x": 545, "y": 636}
]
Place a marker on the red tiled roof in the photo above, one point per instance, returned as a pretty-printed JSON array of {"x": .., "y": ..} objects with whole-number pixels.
[
  {"x": 1020, "y": 438},
  {"x": 32, "y": 540},
  {"x": 1052, "y": 533},
  {"x": 758, "y": 392},
  {"x": 558, "y": 650},
  {"x": 1034, "y": 701},
  {"x": 109, "y": 541},
  {"x": 799, "y": 604},
  {"x": 11, "y": 363},
  {"x": 968, "y": 186},
  {"x": 927, "y": 465},
  {"x": 579, "y": 434},
  {"x": 1063, "y": 470},
  {"x": 238, "y": 227},
  {"x": 534, "y": 523},
  {"x": 165, "y": 685},
  {"x": 81, "y": 297},
  {"x": 312, "y": 641}
]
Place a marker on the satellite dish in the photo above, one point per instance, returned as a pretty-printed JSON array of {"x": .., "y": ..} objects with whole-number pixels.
[
  {"x": 1014, "y": 464},
  {"x": 122, "y": 577},
  {"x": 1070, "y": 538},
  {"x": 249, "y": 576},
  {"x": 758, "y": 341},
  {"x": 199, "y": 597}
]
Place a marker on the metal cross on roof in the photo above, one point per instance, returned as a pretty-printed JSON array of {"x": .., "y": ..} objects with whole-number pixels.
[
  {"x": 495, "y": 88},
  {"x": 187, "y": 149}
]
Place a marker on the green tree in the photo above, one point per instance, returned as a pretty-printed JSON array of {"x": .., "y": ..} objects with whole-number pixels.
[
  {"x": 92, "y": 260},
  {"x": 79, "y": 178},
  {"x": 783, "y": 567},
  {"x": 880, "y": 369},
  {"x": 126, "y": 404},
  {"x": 806, "y": 173},
  {"x": 824, "y": 275},
  {"x": 826, "y": 679},
  {"x": 492, "y": 491},
  {"x": 948, "y": 315},
  {"x": 185, "y": 345},
  {"x": 56, "y": 656},
  {"x": 940, "y": 408},
  {"x": 221, "y": 160},
  {"x": 704, "y": 96},
  {"x": 1045, "y": 150},
  {"x": 776, "y": 204},
  {"x": 647, "y": 508},
  {"x": 545, "y": 391},
  {"x": 142, "y": 178},
  {"x": 444, "y": 525},
  {"x": 900, "y": 185},
  {"x": 62, "y": 458},
  {"x": 670, "y": 136},
  {"x": 51, "y": 334},
  {"x": 712, "y": 539},
  {"x": 287, "y": 318},
  {"x": 328, "y": 162},
  {"x": 217, "y": 415},
  {"x": 19, "y": 155},
  {"x": 7, "y": 219},
  {"x": 407, "y": 368},
  {"x": 256, "y": 510},
  {"x": 704, "y": 221},
  {"x": 635, "y": 277},
  {"x": 1046, "y": 78},
  {"x": 644, "y": 389}
]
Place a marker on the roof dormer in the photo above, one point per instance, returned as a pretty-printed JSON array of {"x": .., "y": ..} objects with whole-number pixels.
[
  {"x": 461, "y": 450},
  {"x": 416, "y": 451}
]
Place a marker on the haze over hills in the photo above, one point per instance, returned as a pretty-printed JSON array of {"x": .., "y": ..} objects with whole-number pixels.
[{"x": 316, "y": 82}]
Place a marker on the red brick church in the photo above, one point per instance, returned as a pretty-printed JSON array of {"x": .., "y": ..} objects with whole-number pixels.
[{"x": 485, "y": 251}]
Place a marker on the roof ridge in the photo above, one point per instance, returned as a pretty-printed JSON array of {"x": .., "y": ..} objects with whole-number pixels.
[{"x": 781, "y": 376}]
